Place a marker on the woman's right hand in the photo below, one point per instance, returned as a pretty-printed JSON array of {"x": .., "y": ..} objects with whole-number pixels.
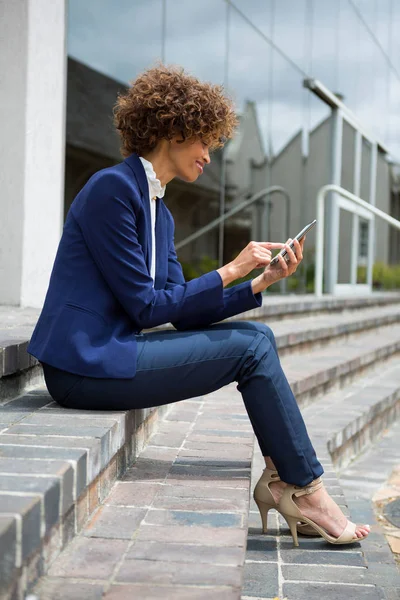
[{"x": 254, "y": 256}]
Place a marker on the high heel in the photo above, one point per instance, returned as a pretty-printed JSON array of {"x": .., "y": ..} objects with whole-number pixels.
[
  {"x": 291, "y": 513},
  {"x": 265, "y": 501},
  {"x": 264, "y": 508}
]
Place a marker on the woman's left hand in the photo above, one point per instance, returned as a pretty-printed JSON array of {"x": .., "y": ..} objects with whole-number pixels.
[{"x": 282, "y": 269}]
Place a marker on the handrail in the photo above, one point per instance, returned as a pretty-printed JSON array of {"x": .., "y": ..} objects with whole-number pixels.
[
  {"x": 319, "y": 246},
  {"x": 274, "y": 189}
]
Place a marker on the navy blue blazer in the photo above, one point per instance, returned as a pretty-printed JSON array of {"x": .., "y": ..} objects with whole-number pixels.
[{"x": 101, "y": 293}]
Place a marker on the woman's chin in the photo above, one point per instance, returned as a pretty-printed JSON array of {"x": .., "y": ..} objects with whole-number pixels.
[{"x": 189, "y": 178}]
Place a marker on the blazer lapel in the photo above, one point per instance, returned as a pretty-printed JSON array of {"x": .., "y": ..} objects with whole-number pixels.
[
  {"x": 135, "y": 164},
  {"x": 161, "y": 245}
]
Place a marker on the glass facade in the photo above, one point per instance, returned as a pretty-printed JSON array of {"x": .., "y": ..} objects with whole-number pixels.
[
  {"x": 261, "y": 51},
  {"x": 349, "y": 45}
]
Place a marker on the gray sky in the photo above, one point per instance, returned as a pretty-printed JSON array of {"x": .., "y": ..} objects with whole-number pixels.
[{"x": 323, "y": 38}]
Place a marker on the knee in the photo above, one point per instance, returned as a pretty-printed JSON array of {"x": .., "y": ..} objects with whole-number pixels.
[
  {"x": 254, "y": 358},
  {"x": 265, "y": 330}
]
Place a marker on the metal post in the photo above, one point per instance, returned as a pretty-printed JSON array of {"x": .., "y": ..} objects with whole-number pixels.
[
  {"x": 355, "y": 235},
  {"x": 222, "y": 211},
  {"x": 371, "y": 225},
  {"x": 319, "y": 244},
  {"x": 333, "y": 209}
]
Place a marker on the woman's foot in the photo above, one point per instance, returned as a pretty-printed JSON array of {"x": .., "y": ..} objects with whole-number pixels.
[{"x": 320, "y": 508}]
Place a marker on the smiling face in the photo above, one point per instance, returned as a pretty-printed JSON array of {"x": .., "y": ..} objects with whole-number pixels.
[{"x": 188, "y": 158}]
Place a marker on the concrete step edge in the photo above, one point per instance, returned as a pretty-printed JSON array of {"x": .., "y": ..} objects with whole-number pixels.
[
  {"x": 282, "y": 307},
  {"x": 332, "y": 333},
  {"x": 309, "y": 388},
  {"x": 346, "y": 443}
]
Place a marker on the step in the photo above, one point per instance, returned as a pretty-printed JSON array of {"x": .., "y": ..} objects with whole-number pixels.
[
  {"x": 177, "y": 520},
  {"x": 341, "y": 425},
  {"x": 358, "y": 414},
  {"x": 313, "y": 373},
  {"x": 276, "y": 306},
  {"x": 56, "y": 466},
  {"x": 302, "y": 333}
]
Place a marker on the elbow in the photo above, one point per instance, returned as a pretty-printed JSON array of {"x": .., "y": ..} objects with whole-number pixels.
[
  {"x": 147, "y": 319},
  {"x": 142, "y": 321}
]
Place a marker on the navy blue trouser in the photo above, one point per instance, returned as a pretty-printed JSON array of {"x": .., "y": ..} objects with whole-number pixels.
[{"x": 174, "y": 365}]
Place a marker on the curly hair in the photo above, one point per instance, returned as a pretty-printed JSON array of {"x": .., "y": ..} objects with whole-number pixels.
[{"x": 164, "y": 102}]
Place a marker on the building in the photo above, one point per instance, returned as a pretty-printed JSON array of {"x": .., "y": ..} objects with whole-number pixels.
[{"x": 284, "y": 63}]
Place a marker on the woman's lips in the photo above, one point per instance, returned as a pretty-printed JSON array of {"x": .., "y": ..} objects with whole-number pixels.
[{"x": 200, "y": 166}]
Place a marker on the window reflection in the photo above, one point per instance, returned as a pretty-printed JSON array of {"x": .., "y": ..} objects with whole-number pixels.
[
  {"x": 196, "y": 37},
  {"x": 118, "y": 39},
  {"x": 285, "y": 133},
  {"x": 325, "y": 30}
]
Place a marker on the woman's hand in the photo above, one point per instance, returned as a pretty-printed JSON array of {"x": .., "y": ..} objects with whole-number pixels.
[
  {"x": 282, "y": 269},
  {"x": 254, "y": 256}
]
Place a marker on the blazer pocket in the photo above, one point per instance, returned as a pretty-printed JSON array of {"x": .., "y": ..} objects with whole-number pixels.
[{"x": 86, "y": 310}]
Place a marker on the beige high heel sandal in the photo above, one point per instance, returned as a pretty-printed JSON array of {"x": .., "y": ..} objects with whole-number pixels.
[
  {"x": 265, "y": 501},
  {"x": 291, "y": 513}
]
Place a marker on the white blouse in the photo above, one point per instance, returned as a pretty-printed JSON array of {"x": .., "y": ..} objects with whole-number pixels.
[{"x": 155, "y": 191}]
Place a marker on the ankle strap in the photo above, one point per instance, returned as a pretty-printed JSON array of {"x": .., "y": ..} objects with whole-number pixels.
[{"x": 309, "y": 489}]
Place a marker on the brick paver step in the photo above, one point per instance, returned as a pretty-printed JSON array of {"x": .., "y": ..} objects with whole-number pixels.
[
  {"x": 177, "y": 519},
  {"x": 293, "y": 334},
  {"x": 297, "y": 305},
  {"x": 351, "y": 418},
  {"x": 314, "y": 372},
  {"x": 373, "y": 466},
  {"x": 56, "y": 466}
]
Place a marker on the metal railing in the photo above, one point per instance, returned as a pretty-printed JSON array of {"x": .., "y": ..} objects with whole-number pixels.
[
  {"x": 270, "y": 191},
  {"x": 319, "y": 246},
  {"x": 266, "y": 192}
]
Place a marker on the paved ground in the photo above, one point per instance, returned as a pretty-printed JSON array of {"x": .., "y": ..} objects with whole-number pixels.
[{"x": 372, "y": 481}]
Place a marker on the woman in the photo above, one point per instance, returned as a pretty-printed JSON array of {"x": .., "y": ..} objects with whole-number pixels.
[{"x": 116, "y": 273}]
